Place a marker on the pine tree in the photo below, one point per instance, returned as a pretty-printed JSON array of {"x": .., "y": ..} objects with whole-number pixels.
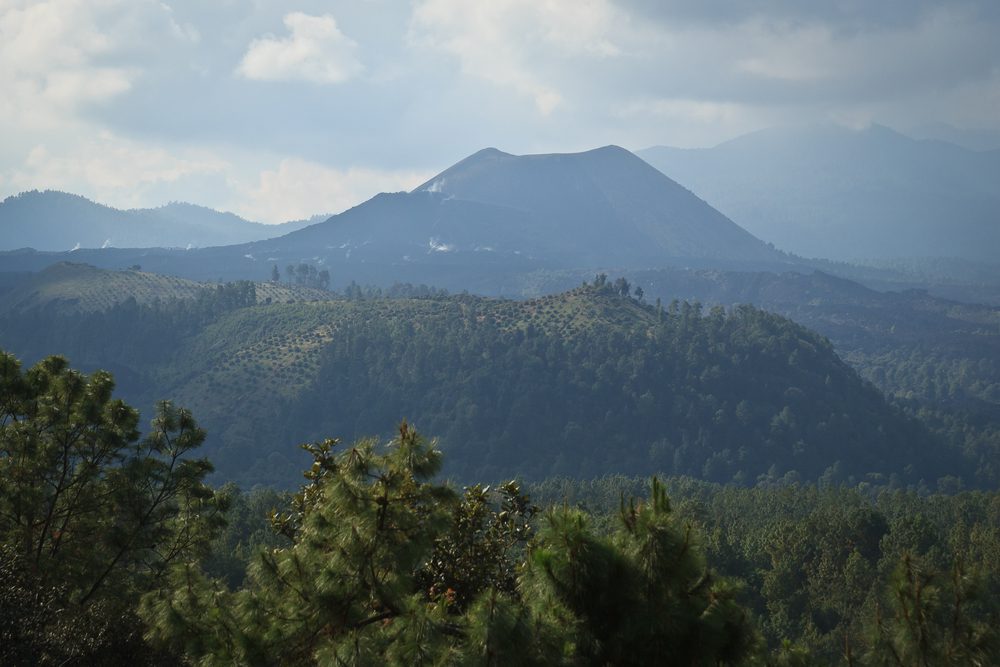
[
  {"x": 388, "y": 567},
  {"x": 346, "y": 589},
  {"x": 644, "y": 596},
  {"x": 935, "y": 618},
  {"x": 90, "y": 514}
]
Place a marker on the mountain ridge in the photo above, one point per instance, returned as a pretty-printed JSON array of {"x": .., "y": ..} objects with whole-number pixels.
[
  {"x": 836, "y": 193},
  {"x": 52, "y": 220}
]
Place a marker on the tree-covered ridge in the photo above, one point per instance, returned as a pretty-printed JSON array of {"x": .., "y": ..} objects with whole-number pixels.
[
  {"x": 720, "y": 395},
  {"x": 584, "y": 383},
  {"x": 939, "y": 359}
]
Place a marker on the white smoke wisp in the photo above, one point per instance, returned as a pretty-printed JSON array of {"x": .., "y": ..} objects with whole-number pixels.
[{"x": 438, "y": 246}]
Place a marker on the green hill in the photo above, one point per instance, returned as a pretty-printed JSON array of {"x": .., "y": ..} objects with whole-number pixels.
[{"x": 582, "y": 383}]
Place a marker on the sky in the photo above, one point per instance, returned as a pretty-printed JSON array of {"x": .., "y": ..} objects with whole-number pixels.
[{"x": 283, "y": 109}]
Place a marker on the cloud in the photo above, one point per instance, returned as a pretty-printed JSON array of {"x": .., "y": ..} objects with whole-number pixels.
[
  {"x": 99, "y": 92},
  {"x": 941, "y": 50},
  {"x": 299, "y": 189},
  {"x": 315, "y": 51},
  {"x": 842, "y": 17},
  {"x": 109, "y": 169},
  {"x": 511, "y": 42},
  {"x": 51, "y": 62}
]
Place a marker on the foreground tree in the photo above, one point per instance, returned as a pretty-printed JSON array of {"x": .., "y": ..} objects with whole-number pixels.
[
  {"x": 345, "y": 590},
  {"x": 91, "y": 515},
  {"x": 644, "y": 596},
  {"x": 935, "y": 618},
  {"x": 387, "y": 566}
]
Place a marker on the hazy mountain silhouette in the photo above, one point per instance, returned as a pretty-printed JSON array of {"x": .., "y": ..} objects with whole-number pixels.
[
  {"x": 833, "y": 192},
  {"x": 976, "y": 140},
  {"x": 52, "y": 220},
  {"x": 495, "y": 213},
  {"x": 601, "y": 206}
]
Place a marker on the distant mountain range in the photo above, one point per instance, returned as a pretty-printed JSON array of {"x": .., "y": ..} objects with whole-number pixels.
[
  {"x": 52, "y": 220},
  {"x": 487, "y": 218},
  {"x": 496, "y": 223},
  {"x": 837, "y": 193}
]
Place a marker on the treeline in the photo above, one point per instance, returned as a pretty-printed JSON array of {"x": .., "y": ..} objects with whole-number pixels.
[
  {"x": 114, "y": 551},
  {"x": 303, "y": 274}
]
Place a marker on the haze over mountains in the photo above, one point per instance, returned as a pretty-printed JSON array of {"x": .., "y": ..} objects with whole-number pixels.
[
  {"x": 52, "y": 220},
  {"x": 836, "y": 193},
  {"x": 500, "y": 224}
]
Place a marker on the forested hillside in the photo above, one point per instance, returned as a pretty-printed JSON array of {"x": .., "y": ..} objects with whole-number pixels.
[
  {"x": 583, "y": 383},
  {"x": 114, "y": 551},
  {"x": 936, "y": 357}
]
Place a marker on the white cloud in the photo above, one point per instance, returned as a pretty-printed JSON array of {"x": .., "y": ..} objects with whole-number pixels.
[
  {"x": 299, "y": 188},
  {"x": 49, "y": 62},
  {"x": 315, "y": 50},
  {"x": 108, "y": 168},
  {"x": 99, "y": 92},
  {"x": 512, "y": 42}
]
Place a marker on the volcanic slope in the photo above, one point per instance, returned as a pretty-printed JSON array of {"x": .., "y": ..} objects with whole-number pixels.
[{"x": 601, "y": 207}]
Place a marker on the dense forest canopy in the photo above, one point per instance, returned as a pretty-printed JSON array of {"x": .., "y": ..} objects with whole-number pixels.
[{"x": 376, "y": 559}]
